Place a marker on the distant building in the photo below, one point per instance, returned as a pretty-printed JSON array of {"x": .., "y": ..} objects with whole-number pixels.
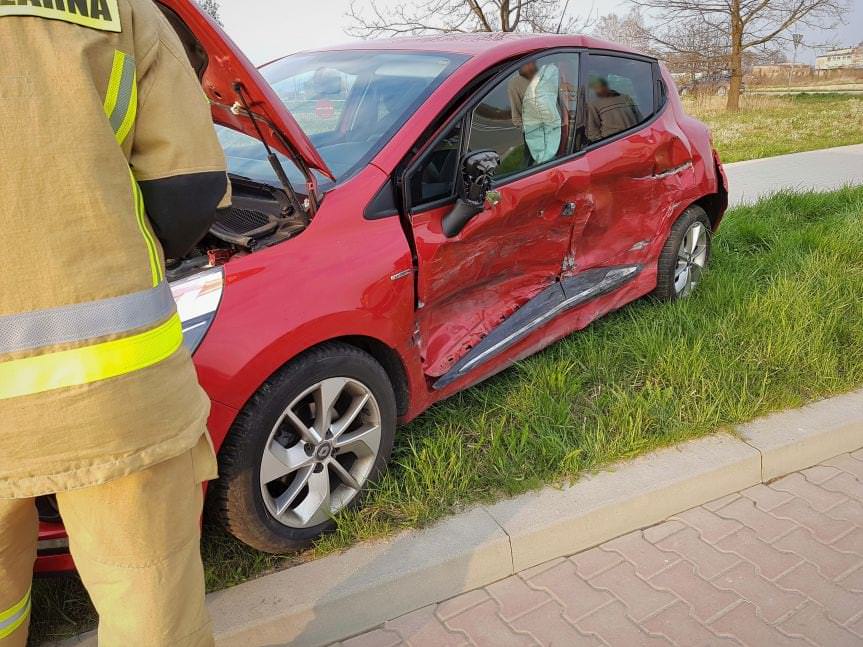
[
  {"x": 835, "y": 59},
  {"x": 777, "y": 69}
]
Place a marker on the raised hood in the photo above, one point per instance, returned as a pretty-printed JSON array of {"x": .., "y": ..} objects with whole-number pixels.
[{"x": 221, "y": 66}]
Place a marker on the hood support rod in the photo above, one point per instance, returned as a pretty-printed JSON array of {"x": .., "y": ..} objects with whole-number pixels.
[{"x": 271, "y": 156}]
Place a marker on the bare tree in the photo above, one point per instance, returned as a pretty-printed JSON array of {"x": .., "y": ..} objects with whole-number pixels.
[
  {"x": 374, "y": 18},
  {"x": 212, "y": 8},
  {"x": 748, "y": 25},
  {"x": 629, "y": 30},
  {"x": 699, "y": 49}
]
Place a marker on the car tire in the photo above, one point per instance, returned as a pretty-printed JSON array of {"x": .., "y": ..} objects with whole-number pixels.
[
  {"x": 684, "y": 256},
  {"x": 245, "y": 501}
]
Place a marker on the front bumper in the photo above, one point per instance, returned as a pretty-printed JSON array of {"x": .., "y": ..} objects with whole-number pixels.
[{"x": 53, "y": 549}]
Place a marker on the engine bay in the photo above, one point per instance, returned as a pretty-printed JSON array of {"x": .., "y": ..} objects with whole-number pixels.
[{"x": 260, "y": 216}]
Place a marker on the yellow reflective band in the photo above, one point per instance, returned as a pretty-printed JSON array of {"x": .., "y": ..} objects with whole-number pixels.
[
  {"x": 121, "y": 109},
  {"x": 12, "y": 619},
  {"x": 103, "y": 15},
  {"x": 121, "y": 97},
  {"x": 90, "y": 364},
  {"x": 114, "y": 83},
  {"x": 141, "y": 216},
  {"x": 131, "y": 113}
]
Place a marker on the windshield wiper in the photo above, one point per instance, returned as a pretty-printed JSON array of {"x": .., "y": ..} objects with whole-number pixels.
[{"x": 258, "y": 184}]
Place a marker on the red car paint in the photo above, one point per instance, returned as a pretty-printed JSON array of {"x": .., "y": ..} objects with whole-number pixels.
[{"x": 353, "y": 279}]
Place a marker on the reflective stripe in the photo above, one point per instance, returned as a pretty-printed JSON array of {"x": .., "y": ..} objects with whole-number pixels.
[
  {"x": 121, "y": 99},
  {"x": 15, "y": 617},
  {"x": 141, "y": 217},
  {"x": 85, "y": 321},
  {"x": 90, "y": 363},
  {"x": 121, "y": 108}
]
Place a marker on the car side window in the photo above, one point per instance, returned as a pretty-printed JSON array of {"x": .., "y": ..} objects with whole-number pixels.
[
  {"x": 620, "y": 95},
  {"x": 435, "y": 178},
  {"x": 526, "y": 117}
]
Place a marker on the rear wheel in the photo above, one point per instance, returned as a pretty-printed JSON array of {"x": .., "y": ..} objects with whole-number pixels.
[
  {"x": 684, "y": 256},
  {"x": 307, "y": 445}
]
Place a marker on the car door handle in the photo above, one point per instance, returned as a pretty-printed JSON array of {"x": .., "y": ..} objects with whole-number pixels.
[{"x": 568, "y": 210}]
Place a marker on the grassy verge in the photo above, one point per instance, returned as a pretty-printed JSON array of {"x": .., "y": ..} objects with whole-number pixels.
[
  {"x": 777, "y": 322},
  {"x": 768, "y": 126}
]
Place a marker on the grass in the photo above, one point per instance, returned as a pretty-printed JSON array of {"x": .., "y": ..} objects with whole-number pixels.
[
  {"x": 768, "y": 126},
  {"x": 777, "y": 322}
]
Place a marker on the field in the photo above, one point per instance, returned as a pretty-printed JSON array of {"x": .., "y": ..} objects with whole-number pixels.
[
  {"x": 770, "y": 125},
  {"x": 777, "y": 322}
]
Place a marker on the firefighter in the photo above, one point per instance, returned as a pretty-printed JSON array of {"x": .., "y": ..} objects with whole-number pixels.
[{"x": 108, "y": 156}]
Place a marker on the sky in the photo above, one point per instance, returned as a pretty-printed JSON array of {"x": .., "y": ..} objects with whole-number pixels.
[{"x": 268, "y": 29}]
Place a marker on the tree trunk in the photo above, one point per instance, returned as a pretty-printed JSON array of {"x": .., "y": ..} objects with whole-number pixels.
[{"x": 736, "y": 59}]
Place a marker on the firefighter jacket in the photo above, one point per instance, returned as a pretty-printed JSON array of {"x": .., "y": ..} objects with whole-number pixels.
[{"x": 107, "y": 155}]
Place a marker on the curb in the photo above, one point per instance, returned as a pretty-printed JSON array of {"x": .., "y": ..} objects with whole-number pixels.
[
  {"x": 554, "y": 523},
  {"x": 342, "y": 595},
  {"x": 793, "y": 440}
]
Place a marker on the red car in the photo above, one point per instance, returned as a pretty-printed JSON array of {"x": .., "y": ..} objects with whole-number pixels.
[{"x": 411, "y": 217}]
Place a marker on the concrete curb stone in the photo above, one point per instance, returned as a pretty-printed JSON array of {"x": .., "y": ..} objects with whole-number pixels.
[
  {"x": 557, "y": 522},
  {"x": 799, "y": 438},
  {"x": 340, "y": 595}
]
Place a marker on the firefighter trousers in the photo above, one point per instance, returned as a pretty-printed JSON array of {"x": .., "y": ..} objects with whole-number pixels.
[{"x": 136, "y": 544}]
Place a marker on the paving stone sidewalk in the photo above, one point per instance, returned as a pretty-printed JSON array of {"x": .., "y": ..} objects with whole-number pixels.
[{"x": 778, "y": 564}]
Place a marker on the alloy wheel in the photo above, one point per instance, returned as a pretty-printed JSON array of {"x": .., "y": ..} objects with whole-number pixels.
[
  {"x": 320, "y": 452},
  {"x": 691, "y": 259}
]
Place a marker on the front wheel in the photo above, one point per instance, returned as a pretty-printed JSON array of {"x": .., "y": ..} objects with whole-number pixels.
[
  {"x": 307, "y": 445},
  {"x": 684, "y": 256}
]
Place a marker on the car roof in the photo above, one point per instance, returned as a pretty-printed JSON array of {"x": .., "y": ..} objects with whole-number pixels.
[{"x": 495, "y": 44}]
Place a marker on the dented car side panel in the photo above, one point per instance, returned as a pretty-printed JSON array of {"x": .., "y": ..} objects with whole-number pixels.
[{"x": 472, "y": 282}]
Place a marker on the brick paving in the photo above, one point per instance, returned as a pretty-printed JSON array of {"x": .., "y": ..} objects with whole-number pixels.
[{"x": 777, "y": 564}]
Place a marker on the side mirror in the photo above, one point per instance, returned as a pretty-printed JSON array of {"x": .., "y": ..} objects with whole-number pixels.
[{"x": 474, "y": 190}]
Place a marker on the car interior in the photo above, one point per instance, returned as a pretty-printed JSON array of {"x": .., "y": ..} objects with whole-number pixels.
[
  {"x": 350, "y": 106},
  {"x": 491, "y": 125}
]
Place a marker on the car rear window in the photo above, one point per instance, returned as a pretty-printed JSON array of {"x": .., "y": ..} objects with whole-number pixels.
[{"x": 619, "y": 95}]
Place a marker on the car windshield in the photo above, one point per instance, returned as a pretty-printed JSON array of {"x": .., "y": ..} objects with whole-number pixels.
[{"x": 349, "y": 104}]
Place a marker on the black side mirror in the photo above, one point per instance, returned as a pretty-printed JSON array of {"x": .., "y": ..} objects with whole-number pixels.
[{"x": 474, "y": 190}]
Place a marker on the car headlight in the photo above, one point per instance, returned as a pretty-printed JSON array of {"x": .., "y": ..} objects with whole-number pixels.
[{"x": 198, "y": 298}]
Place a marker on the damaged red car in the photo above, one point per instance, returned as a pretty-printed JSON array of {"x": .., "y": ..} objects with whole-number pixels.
[{"x": 411, "y": 217}]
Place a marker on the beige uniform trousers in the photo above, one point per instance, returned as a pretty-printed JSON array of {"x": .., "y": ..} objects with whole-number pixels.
[{"x": 136, "y": 543}]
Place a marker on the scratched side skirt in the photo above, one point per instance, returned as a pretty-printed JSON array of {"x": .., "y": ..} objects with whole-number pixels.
[{"x": 552, "y": 302}]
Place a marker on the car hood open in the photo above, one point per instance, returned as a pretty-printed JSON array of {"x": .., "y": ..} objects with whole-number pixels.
[{"x": 221, "y": 65}]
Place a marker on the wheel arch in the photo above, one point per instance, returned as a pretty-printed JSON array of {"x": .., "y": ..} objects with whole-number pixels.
[
  {"x": 715, "y": 204},
  {"x": 391, "y": 362},
  {"x": 388, "y": 357}
]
